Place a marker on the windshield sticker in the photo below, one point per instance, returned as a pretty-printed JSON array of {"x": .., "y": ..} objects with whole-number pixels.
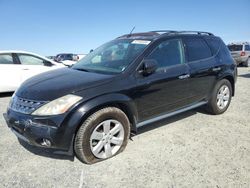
[{"x": 145, "y": 42}]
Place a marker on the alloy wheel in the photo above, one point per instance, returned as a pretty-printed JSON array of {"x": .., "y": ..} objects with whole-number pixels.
[
  {"x": 223, "y": 97},
  {"x": 106, "y": 139}
]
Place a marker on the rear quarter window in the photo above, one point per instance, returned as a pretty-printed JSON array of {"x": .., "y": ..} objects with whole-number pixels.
[
  {"x": 224, "y": 54},
  {"x": 196, "y": 49},
  {"x": 214, "y": 44}
]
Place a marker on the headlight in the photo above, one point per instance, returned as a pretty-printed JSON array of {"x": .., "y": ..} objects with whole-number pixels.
[
  {"x": 57, "y": 106},
  {"x": 11, "y": 100}
]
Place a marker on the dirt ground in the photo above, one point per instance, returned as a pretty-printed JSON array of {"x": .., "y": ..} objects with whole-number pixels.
[{"x": 193, "y": 149}]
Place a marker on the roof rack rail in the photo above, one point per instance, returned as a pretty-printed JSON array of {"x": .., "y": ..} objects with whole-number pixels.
[
  {"x": 183, "y": 32},
  {"x": 197, "y": 32}
]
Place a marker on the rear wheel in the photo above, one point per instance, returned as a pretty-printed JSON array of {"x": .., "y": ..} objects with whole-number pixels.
[
  {"x": 221, "y": 97},
  {"x": 103, "y": 135}
]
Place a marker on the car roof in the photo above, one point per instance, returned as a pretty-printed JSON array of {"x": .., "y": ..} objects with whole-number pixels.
[
  {"x": 25, "y": 52},
  {"x": 151, "y": 35}
]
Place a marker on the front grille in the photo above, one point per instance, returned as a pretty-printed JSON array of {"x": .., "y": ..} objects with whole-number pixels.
[{"x": 24, "y": 106}]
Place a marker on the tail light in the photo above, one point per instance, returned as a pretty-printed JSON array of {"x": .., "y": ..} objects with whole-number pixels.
[{"x": 242, "y": 53}]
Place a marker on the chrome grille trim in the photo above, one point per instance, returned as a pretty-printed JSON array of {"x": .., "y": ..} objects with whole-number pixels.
[{"x": 25, "y": 106}]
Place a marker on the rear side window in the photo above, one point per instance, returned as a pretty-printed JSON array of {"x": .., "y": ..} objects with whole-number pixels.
[
  {"x": 6, "y": 59},
  {"x": 214, "y": 44},
  {"x": 197, "y": 49},
  {"x": 235, "y": 47},
  {"x": 247, "y": 47}
]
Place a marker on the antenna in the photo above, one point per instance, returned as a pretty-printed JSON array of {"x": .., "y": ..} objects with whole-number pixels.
[
  {"x": 132, "y": 30},
  {"x": 129, "y": 35}
]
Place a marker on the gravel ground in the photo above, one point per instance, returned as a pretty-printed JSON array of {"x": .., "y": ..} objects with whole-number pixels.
[{"x": 193, "y": 149}]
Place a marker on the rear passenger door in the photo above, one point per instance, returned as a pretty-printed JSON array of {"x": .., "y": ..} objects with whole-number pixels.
[{"x": 202, "y": 66}]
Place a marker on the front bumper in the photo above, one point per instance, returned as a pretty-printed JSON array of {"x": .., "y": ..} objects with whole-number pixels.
[{"x": 49, "y": 132}]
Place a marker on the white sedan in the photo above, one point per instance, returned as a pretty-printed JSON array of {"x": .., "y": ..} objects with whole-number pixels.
[{"x": 17, "y": 66}]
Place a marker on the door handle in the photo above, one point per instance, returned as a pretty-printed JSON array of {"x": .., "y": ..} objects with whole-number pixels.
[
  {"x": 216, "y": 69},
  {"x": 185, "y": 76},
  {"x": 26, "y": 69}
]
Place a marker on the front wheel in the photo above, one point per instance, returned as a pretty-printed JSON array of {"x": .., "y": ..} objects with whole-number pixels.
[
  {"x": 103, "y": 135},
  {"x": 221, "y": 97}
]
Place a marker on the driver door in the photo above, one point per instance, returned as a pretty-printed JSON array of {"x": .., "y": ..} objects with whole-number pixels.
[{"x": 166, "y": 89}]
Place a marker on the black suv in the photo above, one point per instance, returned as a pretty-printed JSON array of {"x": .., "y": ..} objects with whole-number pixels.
[{"x": 91, "y": 108}]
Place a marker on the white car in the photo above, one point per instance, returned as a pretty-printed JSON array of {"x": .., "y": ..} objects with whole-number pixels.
[{"x": 17, "y": 66}]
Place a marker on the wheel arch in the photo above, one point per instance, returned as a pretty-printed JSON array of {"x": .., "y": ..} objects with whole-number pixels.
[
  {"x": 231, "y": 79},
  {"x": 120, "y": 101}
]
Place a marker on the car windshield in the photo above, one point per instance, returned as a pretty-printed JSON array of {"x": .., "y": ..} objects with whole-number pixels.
[
  {"x": 235, "y": 47},
  {"x": 112, "y": 57}
]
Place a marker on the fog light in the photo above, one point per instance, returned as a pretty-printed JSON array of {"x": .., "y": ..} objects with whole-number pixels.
[{"x": 45, "y": 142}]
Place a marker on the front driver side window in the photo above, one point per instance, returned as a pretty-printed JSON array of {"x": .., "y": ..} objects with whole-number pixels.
[
  {"x": 30, "y": 60},
  {"x": 168, "y": 53}
]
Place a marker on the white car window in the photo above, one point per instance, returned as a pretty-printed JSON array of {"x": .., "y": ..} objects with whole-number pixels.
[
  {"x": 30, "y": 60},
  {"x": 6, "y": 59}
]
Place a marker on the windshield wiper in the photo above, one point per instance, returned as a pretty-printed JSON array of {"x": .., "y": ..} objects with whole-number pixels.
[{"x": 82, "y": 69}]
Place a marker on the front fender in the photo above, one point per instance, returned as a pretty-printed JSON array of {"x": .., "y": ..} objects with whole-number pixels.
[{"x": 75, "y": 118}]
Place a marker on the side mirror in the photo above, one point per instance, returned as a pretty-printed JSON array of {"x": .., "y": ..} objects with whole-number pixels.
[
  {"x": 149, "y": 66},
  {"x": 47, "y": 63},
  {"x": 90, "y": 51}
]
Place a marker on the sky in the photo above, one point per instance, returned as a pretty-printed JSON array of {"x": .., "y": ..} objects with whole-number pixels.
[{"x": 49, "y": 27}]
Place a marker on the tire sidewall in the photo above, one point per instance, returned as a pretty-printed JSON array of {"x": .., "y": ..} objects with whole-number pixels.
[
  {"x": 94, "y": 122},
  {"x": 213, "y": 101}
]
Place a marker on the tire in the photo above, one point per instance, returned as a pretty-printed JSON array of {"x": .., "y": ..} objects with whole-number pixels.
[
  {"x": 247, "y": 63},
  {"x": 218, "y": 103},
  {"x": 97, "y": 139}
]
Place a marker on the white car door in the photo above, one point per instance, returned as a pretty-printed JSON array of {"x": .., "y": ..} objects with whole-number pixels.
[
  {"x": 32, "y": 65},
  {"x": 10, "y": 73}
]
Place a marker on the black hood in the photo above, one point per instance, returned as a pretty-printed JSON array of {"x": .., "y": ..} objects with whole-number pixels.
[{"x": 53, "y": 84}]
